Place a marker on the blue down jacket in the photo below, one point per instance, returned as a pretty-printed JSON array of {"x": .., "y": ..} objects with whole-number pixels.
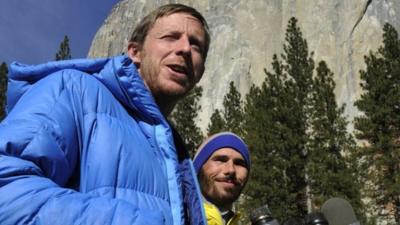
[{"x": 85, "y": 143}]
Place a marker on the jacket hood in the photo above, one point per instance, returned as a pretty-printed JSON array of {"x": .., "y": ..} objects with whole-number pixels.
[{"x": 118, "y": 74}]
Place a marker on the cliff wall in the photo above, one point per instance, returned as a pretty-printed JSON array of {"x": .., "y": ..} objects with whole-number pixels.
[{"x": 245, "y": 35}]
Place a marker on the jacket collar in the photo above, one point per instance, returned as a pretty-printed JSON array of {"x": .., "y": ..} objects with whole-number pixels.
[
  {"x": 122, "y": 78},
  {"x": 118, "y": 74}
]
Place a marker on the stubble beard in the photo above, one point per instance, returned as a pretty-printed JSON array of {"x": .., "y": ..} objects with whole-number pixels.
[
  {"x": 150, "y": 72},
  {"x": 219, "y": 199}
]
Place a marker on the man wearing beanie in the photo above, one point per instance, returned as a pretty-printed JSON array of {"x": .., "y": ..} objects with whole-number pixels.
[{"x": 222, "y": 164}]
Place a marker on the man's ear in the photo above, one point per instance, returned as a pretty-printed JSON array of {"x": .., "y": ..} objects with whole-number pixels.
[{"x": 134, "y": 53}]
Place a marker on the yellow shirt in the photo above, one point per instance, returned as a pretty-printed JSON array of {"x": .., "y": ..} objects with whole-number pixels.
[{"x": 214, "y": 215}]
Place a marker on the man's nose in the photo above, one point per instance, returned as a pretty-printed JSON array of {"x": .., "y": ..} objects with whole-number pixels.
[
  {"x": 183, "y": 46},
  {"x": 229, "y": 168}
]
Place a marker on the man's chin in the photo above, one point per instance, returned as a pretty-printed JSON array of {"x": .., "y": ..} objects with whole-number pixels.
[
  {"x": 176, "y": 90},
  {"x": 226, "y": 200},
  {"x": 228, "y": 196}
]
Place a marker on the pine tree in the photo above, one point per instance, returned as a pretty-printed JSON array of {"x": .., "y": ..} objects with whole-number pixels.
[
  {"x": 233, "y": 110},
  {"x": 330, "y": 165},
  {"x": 273, "y": 120},
  {"x": 292, "y": 117},
  {"x": 184, "y": 119},
  {"x": 217, "y": 123},
  {"x": 379, "y": 125},
  {"x": 231, "y": 117},
  {"x": 263, "y": 134},
  {"x": 290, "y": 123},
  {"x": 3, "y": 89},
  {"x": 64, "y": 52}
]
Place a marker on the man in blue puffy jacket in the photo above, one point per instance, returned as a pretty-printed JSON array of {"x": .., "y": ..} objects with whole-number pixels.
[{"x": 86, "y": 141}]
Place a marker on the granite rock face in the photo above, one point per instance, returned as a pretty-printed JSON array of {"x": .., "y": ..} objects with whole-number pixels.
[{"x": 245, "y": 35}]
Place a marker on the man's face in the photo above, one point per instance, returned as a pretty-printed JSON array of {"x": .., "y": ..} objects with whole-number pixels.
[
  {"x": 223, "y": 176},
  {"x": 171, "y": 59}
]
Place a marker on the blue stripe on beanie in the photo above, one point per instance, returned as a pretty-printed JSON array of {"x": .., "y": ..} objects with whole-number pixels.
[{"x": 218, "y": 141}]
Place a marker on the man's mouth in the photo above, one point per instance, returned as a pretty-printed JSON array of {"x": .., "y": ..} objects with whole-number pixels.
[
  {"x": 178, "y": 69},
  {"x": 231, "y": 181}
]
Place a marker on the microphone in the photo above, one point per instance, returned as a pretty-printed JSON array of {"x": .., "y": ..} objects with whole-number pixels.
[
  {"x": 339, "y": 212},
  {"x": 262, "y": 216},
  {"x": 316, "y": 218}
]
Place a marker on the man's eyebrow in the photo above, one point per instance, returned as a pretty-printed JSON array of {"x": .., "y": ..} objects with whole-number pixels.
[
  {"x": 239, "y": 160},
  {"x": 163, "y": 31},
  {"x": 167, "y": 28},
  {"x": 219, "y": 157},
  {"x": 196, "y": 40}
]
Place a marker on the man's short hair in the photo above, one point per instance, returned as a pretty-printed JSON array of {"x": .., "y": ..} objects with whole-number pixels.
[{"x": 140, "y": 33}]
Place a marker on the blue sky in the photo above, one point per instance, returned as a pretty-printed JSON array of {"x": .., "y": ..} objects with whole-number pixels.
[{"x": 31, "y": 30}]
